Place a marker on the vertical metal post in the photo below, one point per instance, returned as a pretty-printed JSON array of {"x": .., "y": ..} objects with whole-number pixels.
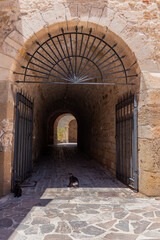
[
  {"x": 20, "y": 137},
  {"x": 30, "y": 143},
  {"x": 135, "y": 144},
  {"x": 117, "y": 138},
  {"x": 27, "y": 135},
  {"x": 16, "y": 140},
  {"x": 126, "y": 141},
  {"x": 23, "y": 138},
  {"x": 131, "y": 126}
]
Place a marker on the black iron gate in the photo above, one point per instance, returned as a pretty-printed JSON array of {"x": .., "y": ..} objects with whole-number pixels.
[
  {"x": 126, "y": 141},
  {"x": 22, "y": 165}
]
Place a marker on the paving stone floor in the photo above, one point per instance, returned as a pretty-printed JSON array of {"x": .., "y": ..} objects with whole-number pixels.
[{"x": 102, "y": 208}]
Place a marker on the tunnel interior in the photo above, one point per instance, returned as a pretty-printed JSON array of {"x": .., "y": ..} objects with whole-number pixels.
[
  {"x": 93, "y": 106},
  {"x": 63, "y": 130}
]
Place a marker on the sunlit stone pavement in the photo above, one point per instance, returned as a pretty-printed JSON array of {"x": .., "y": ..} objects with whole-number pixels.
[{"x": 102, "y": 208}]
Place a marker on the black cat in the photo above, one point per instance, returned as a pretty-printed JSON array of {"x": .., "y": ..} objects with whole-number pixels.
[
  {"x": 73, "y": 181},
  {"x": 17, "y": 190}
]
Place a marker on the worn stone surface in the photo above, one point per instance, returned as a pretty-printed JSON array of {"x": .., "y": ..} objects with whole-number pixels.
[{"x": 50, "y": 210}]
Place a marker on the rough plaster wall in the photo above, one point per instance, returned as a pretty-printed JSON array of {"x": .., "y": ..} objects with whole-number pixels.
[{"x": 72, "y": 131}]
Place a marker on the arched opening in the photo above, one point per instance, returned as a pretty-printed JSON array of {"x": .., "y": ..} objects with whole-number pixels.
[
  {"x": 92, "y": 100},
  {"x": 65, "y": 129}
]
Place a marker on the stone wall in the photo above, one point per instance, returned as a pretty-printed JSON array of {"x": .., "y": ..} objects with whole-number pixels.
[
  {"x": 136, "y": 23},
  {"x": 149, "y": 133},
  {"x": 72, "y": 135}
]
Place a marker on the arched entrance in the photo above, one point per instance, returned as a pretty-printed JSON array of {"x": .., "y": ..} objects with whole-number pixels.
[
  {"x": 83, "y": 72},
  {"x": 90, "y": 98},
  {"x": 65, "y": 129}
]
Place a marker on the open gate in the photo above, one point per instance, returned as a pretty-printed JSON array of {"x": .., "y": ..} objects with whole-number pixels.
[
  {"x": 22, "y": 165},
  {"x": 126, "y": 141}
]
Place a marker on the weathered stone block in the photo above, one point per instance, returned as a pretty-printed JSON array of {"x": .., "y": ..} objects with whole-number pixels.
[
  {"x": 5, "y": 157},
  {"x": 149, "y": 98},
  {"x": 149, "y": 183},
  {"x": 5, "y": 171},
  {"x": 150, "y": 81},
  {"x": 118, "y": 24},
  {"x": 83, "y": 11},
  {"x": 49, "y": 16},
  {"x": 149, "y": 132},
  {"x": 107, "y": 17},
  {"x": 36, "y": 22},
  {"x": 5, "y": 187},
  {"x": 5, "y": 61},
  {"x": 7, "y": 110},
  {"x": 149, "y": 115},
  {"x": 95, "y": 14},
  {"x": 4, "y": 74},
  {"x": 149, "y": 153}
]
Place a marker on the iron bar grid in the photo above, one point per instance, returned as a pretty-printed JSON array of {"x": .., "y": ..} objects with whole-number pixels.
[
  {"x": 76, "y": 57},
  {"x": 126, "y": 141},
  {"x": 22, "y": 165}
]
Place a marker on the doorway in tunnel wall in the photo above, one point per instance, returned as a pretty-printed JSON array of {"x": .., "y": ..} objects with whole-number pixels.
[
  {"x": 65, "y": 129},
  {"x": 59, "y": 106}
]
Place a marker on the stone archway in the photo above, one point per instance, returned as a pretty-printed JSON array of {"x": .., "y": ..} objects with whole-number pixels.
[
  {"x": 118, "y": 28},
  {"x": 63, "y": 122}
]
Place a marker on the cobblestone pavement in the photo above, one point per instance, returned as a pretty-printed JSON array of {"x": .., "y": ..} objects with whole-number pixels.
[{"x": 102, "y": 208}]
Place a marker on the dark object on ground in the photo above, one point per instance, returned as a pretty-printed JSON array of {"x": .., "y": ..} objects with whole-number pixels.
[
  {"x": 17, "y": 190},
  {"x": 73, "y": 181}
]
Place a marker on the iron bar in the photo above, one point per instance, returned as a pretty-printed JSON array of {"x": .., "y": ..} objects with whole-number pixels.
[
  {"x": 87, "y": 57},
  {"x": 22, "y": 156},
  {"x": 67, "y": 51},
  {"x": 100, "y": 41},
  {"x": 74, "y": 70},
  {"x": 53, "y": 60},
  {"x": 71, "y": 44},
  {"x": 38, "y": 66},
  {"x": 135, "y": 143},
  {"x": 65, "y": 57},
  {"x": 84, "y": 50},
  {"x": 21, "y": 139},
  {"x": 77, "y": 83},
  {"x": 41, "y": 46},
  {"x": 58, "y": 53},
  {"x": 32, "y": 69},
  {"x": 48, "y": 74},
  {"x": 87, "y": 79},
  {"x": 109, "y": 73},
  {"x": 126, "y": 141},
  {"x": 16, "y": 141},
  {"x": 52, "y": 51},
  {"x": 38, "y": 60},
  {"x": 99, "y": 64},
  {"x": 107, "y": 66},
  {"x": 81, "y": 45},
  {"x": 76, "y": 53}
]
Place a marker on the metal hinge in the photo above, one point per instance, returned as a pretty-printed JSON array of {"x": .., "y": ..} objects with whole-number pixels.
[{"x": 136, "y": 172}]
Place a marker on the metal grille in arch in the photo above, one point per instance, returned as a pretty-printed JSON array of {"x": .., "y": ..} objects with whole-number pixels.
[{"x": 76, "y": 58}]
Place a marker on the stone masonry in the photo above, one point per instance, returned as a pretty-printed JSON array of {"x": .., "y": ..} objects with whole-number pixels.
[{"x": 134, "y": 25}]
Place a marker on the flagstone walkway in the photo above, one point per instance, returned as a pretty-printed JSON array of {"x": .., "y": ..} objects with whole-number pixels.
[{"x": 102, "y": 208}]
